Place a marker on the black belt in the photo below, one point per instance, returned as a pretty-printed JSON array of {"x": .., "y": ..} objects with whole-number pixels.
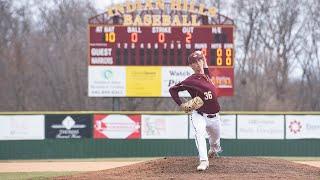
[{"x": 208, "y": 115}]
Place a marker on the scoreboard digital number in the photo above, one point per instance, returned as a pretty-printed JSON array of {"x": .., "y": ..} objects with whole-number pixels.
[{"x": 160, "y": 46}]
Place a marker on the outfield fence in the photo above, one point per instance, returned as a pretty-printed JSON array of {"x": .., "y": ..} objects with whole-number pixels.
[{"x": 96, "y": 134}]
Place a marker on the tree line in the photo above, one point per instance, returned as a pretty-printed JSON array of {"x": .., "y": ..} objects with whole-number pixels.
[{"x": 43, "y": 57}]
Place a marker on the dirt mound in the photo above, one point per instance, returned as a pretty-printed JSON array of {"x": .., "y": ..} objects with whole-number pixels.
[{"x": 221, "y": 168}]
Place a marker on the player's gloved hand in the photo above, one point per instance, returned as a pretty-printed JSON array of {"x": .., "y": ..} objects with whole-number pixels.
[
  {"x": 185, "y": 108},
  {"x": 192, "y": 104}
]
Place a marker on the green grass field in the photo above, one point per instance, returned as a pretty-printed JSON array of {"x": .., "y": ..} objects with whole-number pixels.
[
  {"x": 297, "y": 158},
  {"x": 46, "y": 175},
  {"x": 131, "y": 159},
  {"x": 32, "y": 175}
]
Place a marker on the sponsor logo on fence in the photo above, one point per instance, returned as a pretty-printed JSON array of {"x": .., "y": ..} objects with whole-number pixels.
[
  {"x": 164, "y": 127},
  {"x": 68, "y": 126},
  {"x": 22, "y": 127},
  {"x": 117, "y": 126},
  {"x": 295, "y": 126},
  {"x": 228, "y": 126},
  {"x": 260, "y": 127},
  {"x": 302, "y": 126}
]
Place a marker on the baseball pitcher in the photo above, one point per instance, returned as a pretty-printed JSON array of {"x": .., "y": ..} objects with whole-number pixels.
[{"x": 203, "y": 106}]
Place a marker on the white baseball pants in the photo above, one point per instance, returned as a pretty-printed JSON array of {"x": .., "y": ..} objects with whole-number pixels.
[{"x": 201, "y": 125}]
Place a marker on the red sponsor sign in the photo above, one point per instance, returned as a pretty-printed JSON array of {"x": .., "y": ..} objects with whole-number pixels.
[
  {"x": 223, "y": 78},
  {"x": 117, "y": 126}
]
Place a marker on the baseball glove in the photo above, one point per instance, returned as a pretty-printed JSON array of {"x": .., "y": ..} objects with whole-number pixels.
[{"x": 192, "y": 104}]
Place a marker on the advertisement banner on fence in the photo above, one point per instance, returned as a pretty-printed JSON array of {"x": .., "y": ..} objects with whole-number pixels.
[
  {"x": 164, "y": 127},
  {"x": 302, "y": 126},
  {"x": 260, "y": 127},
  {"x": 106, "y": 81},
  {"x": 173, "y": 75},
  {"x": 22, "y": 127},
  {"x": 116, "y": 126},
  {"x": 68, "y": 126},
  {"x": 228, "y": 127}
]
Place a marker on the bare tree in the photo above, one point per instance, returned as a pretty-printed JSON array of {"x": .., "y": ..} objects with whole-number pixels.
[
  {"x": 5, "y": 35},
  {"x": 15, "y": 31},
  {"x": 63, "y": 61},
  {"x": 251, "y": 83},
  {"x": 281, "y": 34},
  {"x": 308, "y": 94},
  {"x": 43, "y": 57},
  {"x": 269, "y": 40}
]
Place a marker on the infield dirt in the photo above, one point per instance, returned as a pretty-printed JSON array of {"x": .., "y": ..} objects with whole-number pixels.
[{"x": 220, "y": 168}]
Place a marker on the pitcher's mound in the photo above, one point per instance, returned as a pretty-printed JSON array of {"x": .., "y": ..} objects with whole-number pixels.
[{"x": 221, "y": 168}]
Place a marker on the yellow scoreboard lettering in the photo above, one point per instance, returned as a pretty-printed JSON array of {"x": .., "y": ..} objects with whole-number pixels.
[{"x": 143, "y": 81}]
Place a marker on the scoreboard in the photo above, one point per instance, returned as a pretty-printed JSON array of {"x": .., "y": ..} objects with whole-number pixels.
[
  {"x": 140, "y": 49},
  {"x": 160, "y": 46}
]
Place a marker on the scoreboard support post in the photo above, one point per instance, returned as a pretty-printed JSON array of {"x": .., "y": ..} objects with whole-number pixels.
[{"x": 115, "y": 104}]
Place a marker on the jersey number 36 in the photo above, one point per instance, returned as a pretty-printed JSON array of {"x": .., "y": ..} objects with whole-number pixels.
[{"x": 207, "y": 95}]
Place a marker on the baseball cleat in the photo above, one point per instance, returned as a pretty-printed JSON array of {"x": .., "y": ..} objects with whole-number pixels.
[
  {"x": 214, "y": 154},
  {"x": 203, "y": 165}
]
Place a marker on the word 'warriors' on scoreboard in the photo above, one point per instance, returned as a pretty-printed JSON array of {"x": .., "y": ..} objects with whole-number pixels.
[{"x": 159, "y": 33}]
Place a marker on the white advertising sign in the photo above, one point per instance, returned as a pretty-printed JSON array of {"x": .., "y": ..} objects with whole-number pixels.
[
  {"x": 228, "y": 127},
  {"x": 260, "y": 127},
  {"x": 164, "y": 127},
  {"x": 106, "y": 81},
  {"x": 302, "y": 126},
  {"x": 22, "y": 127},
  {"x": 117, "y": 126},
  {"x": 172, "y": 76}
]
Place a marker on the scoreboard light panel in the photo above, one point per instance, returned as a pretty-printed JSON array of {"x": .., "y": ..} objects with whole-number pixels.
[{"x": 160, "y": 46}]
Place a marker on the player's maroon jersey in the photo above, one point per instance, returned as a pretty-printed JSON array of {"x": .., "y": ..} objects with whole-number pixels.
[{"x": 198, "y": 85}]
